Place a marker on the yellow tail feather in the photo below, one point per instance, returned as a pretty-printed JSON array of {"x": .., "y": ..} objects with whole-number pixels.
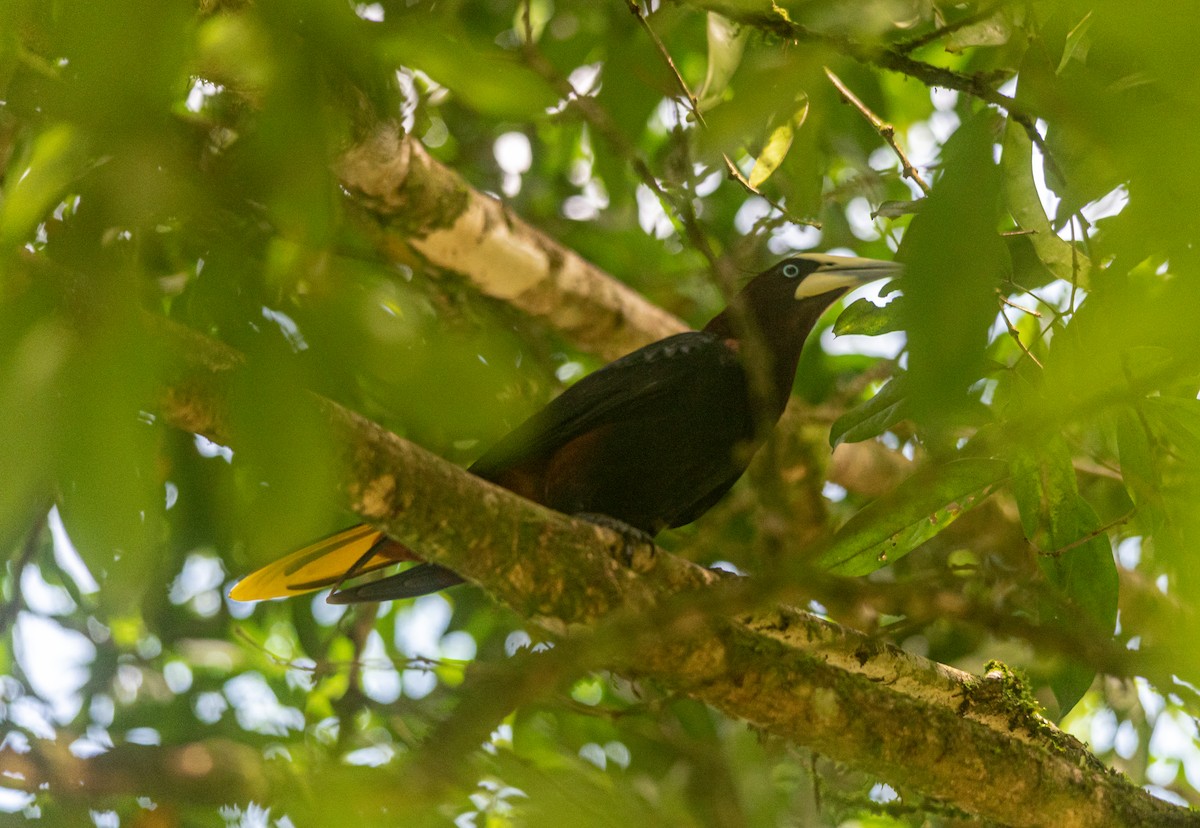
[{"x": 314, "y": 567}]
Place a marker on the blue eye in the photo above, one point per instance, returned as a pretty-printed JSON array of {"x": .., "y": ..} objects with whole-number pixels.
[{"x": 790, "y": 270}]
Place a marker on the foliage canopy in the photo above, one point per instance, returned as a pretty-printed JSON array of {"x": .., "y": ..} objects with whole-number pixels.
[{"x": 1016, "y": 478}]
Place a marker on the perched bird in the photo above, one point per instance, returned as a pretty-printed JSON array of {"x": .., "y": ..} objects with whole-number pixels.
[{"x": 649, "y": 441}]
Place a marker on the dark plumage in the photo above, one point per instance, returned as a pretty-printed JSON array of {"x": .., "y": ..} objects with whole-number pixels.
[{"x": 649, "y": 441}]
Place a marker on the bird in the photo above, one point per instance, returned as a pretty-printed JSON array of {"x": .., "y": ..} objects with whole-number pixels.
[{"x": 650, "y": 441}]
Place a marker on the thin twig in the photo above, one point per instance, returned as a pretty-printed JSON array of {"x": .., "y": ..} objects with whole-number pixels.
[
  {"x": 636, "y": 10},
  {"x": 1074, "y": 266},
  {"x": 424, "y": 663},
  {"x": 1095, "y": 533},
  {"x": 736, "y": 175},
  {"x": 681, "y": 214},
  {"x": 885, "y": 130},
  {"x": 1017, "y": 338},
  {"x": 1021, "y": 308},
  {"x": 1054, "y": 311},
  {"x": 981, "y": 14}
]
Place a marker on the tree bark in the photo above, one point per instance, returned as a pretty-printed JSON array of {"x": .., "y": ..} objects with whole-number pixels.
[{"x": 418, "y": 202}]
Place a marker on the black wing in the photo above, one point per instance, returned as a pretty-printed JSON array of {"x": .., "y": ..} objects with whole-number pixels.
[{"x": 619, "y": 391}]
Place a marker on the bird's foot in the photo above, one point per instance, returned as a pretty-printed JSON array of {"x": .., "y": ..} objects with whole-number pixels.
[{"x": 638, "y": 551}]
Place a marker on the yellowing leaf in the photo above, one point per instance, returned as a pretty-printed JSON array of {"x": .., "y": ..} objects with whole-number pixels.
[{"x": 777, "y": 146}]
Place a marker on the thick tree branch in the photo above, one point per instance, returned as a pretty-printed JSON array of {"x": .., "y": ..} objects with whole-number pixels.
[
  {"x": 914, "y": 722},
  {"x": 418, "y": 202}
]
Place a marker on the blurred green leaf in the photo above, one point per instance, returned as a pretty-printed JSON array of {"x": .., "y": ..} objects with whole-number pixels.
[
  {"x": 1076, "y": 559},
  {"x": 1077, "y": 42},
  {"x": 920, "y": 507},
  {"x": 284, "y": 460},
  {"x": 39, "y": 179},
  {"x": 1178, "y": 421},
  {"x": 954, "y": 260},
  {"x": 1087, "y": 577},
  {"x": 726, "y": 43},
  {"x": 991, "y": 31},
  {"x": 29, "y": 377},
  {"x": 490, "y": 81},
  {"x": 873, "y": 417},
  {"x": 1026, "y": 207},
  {"x": 896, "y": 209},
  {"x": 110, "y": 493}
]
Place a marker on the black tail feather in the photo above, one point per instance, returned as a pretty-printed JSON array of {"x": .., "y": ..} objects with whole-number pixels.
[{"x": 413, "y": 582}]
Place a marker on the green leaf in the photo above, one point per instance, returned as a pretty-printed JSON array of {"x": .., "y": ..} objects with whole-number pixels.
[
  {"x": 1026, "y": 206},
  {"x": 895, "y": 209},
  {"x": 110, "y": 497},
  {"x": 37, "y": 181},
  {"x": 1086, "y": 574},
  {"x": 873, "y": 417},
  {"x": 772, "y": 155},
  {"x": 1026, "y": 487},
  {"x": 1077, "y": 43},
  {"x": 920, "y": 507},
  {"x": 995, "y": 30},
  {"x": 726, "y": 44},
  {"x": 954, "y": 261},
  {"x": 1178, "y": 422},
  {"x": 1087, "y": 578},
  {"x": 1076, "y": 561},
  {"x": 30, "y": 412},
  {"x": 863, "y": 317},
  {"x": 1139, "y": 472}
]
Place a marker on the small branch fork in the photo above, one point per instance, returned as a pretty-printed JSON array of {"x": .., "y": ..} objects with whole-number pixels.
[
  {"x": 636, "y": 11},
  {"x": 885, "y": 130},
  {"x": 983, "y": 13},
  {"x": 1012, "y": 331},
  {"x": 734, "y": 173},
  {"x": 894, "y": 58},
  {"x": 599, "y": 119}
]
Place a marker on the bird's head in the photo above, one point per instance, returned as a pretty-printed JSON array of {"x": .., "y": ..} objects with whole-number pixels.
[
  {"x": 816, "y": 280},
  {"x": 780, "y": 306},
  {"x": 784, "y": 302}
]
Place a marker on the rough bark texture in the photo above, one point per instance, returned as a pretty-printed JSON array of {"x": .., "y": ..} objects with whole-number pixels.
[
  {"x": 916, "y": 723},
  {"x": 418, "y": 202}
]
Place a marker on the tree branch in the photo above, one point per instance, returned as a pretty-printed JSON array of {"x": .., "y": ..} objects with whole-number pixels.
[
  {"x": 212, "y": 771},
  {"x": 418, "y": 202},
  {"x": 768, "y": 16},
  {"x": 914, "y": 722}
]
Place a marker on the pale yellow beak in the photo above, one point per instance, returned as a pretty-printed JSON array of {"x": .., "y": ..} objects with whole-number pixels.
[{"x": 843, "y": 273}]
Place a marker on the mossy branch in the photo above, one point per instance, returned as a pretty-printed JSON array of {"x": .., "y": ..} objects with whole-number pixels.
[{"x": 915, "y": 723}]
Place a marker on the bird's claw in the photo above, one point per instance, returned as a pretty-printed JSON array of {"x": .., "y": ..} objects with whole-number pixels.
[{"x": 638, "y": 551}]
